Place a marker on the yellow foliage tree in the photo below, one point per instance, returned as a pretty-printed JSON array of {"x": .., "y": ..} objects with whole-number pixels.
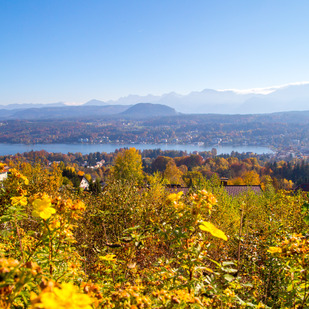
[
  {"x": 251, "y": 178},
  {"x": 173, "y": 174},
  {"x": 128, "y": 166}
]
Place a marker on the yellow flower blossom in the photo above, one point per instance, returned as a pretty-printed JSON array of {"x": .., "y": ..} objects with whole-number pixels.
[
  {"x": 174, "y": 197},
  {"x": 229, "y": 293},
  {"x": 175, "y": 200},
  {"x": 274, "y": 250},
  {"x": 209, "y": 227},
  {"x": 79, "y": 206},
  {"x": 209, "y": 197},
  {"x": 6, "y": 265},
  {"x": 66, "y": 297},
  {"x": 19, "y": 200},
  {"x": 55, "y": 224},
  {"x": 17, "y": 174},
  {"x": 42, "y": 207},
  {"x": 108, "y": 257}
]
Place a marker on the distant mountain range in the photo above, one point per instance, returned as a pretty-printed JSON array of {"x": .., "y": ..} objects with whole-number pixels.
[
  {"x": 31, "y": 105},
  {"x": 277, "y": 99},
  {"x": 141, "y": 110},
  {"x": 280, "y": 99}
]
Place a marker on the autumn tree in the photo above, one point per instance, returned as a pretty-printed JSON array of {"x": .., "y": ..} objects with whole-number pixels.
[
  {"x": 194, "y": 160},
  {"x": 160, "y": 163},
  {"x": 251, "y": 178},
  {"x": 173, "y": 174},
  {"x": 128, "y": 166},
  {"x": 193, "y": 178}
]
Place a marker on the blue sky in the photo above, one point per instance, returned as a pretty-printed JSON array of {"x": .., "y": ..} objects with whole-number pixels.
[{"x": 74, "y": 51}]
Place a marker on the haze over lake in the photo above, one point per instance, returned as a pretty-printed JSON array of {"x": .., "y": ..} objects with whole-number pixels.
[{"x": 11, "y": 149}]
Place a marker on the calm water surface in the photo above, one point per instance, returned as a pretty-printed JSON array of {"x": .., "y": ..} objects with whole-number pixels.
[{"x": 6, "y": 149}]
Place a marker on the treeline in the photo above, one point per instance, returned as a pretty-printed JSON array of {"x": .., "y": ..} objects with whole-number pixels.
[
  {"x": 297, "y": 171},
  {"x": 179, "y": 167}
]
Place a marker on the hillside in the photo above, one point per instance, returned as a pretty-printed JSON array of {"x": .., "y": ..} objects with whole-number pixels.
[
  {"x": 145, "y": 110},
  {"x": 67, "y": 112}
]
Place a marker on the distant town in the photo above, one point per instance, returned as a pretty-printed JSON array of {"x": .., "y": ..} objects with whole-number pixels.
[{"x": 287, "y": 134}]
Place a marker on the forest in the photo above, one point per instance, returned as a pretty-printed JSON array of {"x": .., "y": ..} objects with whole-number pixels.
[{"x": 136, "y": 243}]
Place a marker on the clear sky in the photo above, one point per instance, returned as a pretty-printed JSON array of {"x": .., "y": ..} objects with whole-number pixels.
[{"x": 74, "y": 50}]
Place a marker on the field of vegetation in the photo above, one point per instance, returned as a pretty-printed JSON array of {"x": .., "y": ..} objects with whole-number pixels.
[{"x": 137, "y": 244}]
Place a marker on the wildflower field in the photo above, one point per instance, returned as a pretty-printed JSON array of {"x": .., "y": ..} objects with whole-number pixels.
[{"x": 134, "y": 246}]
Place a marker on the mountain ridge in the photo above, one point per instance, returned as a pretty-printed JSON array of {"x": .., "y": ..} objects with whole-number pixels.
[
  {"x": 293, "y": 97},
  {"x": 140, "y": 110},
  {"x": 273, "y": 99}
]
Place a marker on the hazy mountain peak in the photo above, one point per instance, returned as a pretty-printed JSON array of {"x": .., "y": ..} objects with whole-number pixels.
[
  {"x": 95, "y": 102},
  {"x": 288, "y": 97},
  {"x": 30, "y": 105},
  {"x": 293, "y": 96},
  {"x": 145, "y": 110}
]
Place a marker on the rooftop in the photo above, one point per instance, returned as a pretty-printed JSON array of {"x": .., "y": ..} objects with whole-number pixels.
[{"x": 231, "y": 190}]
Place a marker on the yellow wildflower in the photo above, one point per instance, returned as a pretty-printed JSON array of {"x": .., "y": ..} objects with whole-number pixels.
[
  {"x": 108, "y": 257},
  {"x": 42, "y": 207},
  {"x": 17, "y": 174},
  {"x": 274, "y": 250},
  {"x": 66, "y": 297},
  {"x": 79, "y": 205},
  {"x": 175, "y": 200},
  {"x": 19, "y": 200},
  {"x": 174, "y": 197},
  {"x": 55, "y": 224},
  {"x": 6, "y": 265},
  {"x": 209, "y": 227},
  {"x": 203, "y": 198},
  {"x": 229, "y": 293}
]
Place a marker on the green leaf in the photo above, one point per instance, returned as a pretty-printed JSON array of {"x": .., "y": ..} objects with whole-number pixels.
[
  {"x": 228, "y": 277},
  {"x": 229, "y": 270},
  {"x": 4, "y": 219},
  {"x": 227, "y": 263},
  {"x": 248, "y": 285},
  {"x": 290, "y": 288}
]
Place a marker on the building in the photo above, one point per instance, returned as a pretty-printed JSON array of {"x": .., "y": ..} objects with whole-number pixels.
[
  {"x": 232, "y": 190},
  {"x": 4, "y": 173},
  {"x": 84, "y": 184},
  {"x": 235, "y": 190}
]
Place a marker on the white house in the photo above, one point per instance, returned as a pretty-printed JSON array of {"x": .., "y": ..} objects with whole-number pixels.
[
  {"x": 4, "y": 173},
  {"x": 83, "y": 183}
]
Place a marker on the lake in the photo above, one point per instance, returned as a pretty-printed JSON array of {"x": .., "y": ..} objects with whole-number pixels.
[{"x": 7, "y": 149}]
